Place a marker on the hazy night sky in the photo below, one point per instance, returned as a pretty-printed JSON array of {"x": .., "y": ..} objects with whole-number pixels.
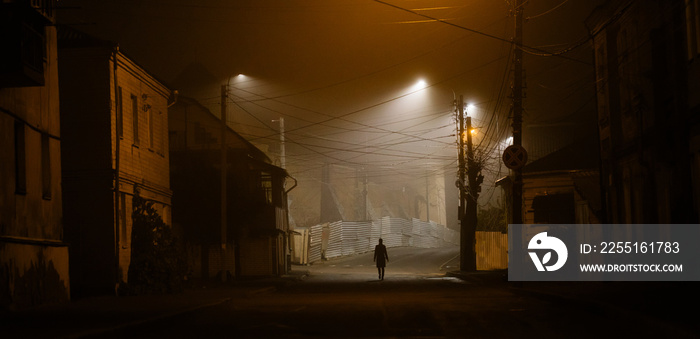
[{"x": 312, "y": 60}]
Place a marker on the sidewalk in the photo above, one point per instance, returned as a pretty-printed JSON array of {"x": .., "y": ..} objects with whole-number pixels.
[
  {"x": 93, "y": 316},
  {"x": 663, "y": 304}
]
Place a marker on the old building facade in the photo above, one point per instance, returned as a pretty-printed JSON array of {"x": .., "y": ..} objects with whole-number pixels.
[
  {"x": 692, "y": 29},
  {"x": 563, "y": 187},
  {"x": 647, "y": 113},
  {"x": 255, "y": 240},
  {"x": 33, "y": 254},
  {"x": 114, "y": 145}
]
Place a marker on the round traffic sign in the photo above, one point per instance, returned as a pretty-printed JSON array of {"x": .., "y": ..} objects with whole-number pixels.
[{"x": 514, "y": 157}]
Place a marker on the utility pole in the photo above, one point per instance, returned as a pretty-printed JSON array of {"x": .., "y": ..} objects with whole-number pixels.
[
  {"x": 224, "y": 167},
  {"x": 427, "y": 195},
  {"x": 518, "y": 110},
  {"x": 283, "y": 158},
  {"x": 284, "y": 166},
  {"x": 463, "y": 227},
  {"x": 474, "y": 179}
]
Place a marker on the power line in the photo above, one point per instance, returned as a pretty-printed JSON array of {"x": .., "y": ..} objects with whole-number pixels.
[
  {"x": 518, "y": 45},
  {"x": 547, "y": 12}
]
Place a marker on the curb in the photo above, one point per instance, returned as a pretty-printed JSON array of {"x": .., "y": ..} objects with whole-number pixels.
[{"x": 479, "y": 276}]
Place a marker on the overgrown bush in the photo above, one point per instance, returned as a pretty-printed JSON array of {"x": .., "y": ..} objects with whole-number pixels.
[
  {"x": 492, "y": 219},
  {"x": 157, "y": 261}
]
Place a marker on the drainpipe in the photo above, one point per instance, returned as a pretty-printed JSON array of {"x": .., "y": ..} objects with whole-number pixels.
[
  {"x": 288, "y": 234},
  {"x": 176, "y": 93}
]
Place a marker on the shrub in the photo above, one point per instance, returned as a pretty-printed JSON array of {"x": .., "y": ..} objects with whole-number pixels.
[{"x": 157, "y": 261}]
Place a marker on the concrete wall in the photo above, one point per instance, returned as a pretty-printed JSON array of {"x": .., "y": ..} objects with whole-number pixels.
[{"x": 33, "y": 274}]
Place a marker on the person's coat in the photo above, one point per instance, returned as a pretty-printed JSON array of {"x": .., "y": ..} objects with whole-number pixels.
[{"x": 380, "y": 255}]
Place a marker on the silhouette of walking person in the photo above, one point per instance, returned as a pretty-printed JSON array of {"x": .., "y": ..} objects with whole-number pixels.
[{"x": 381, "y": 257}]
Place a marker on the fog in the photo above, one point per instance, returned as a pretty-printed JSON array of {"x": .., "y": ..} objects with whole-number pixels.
[{"x": 343, "y": 75}]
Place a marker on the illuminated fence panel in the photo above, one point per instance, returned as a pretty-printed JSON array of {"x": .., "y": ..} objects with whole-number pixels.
[
  {"x": 375, "y": 233},
  {"x": 355, "y": 237},
  {"x": 491, "y": 251},
  {"x": 315, "y": 243},
  {"x": 392, "y": 231},
  {"x": 335, "y": 243}
]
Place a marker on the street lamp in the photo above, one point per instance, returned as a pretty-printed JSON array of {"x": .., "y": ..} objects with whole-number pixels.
[
  {"x": 224, "y": 175},
  {"x": 469, "y": 190},
  {"x": 419, "y": 85}
]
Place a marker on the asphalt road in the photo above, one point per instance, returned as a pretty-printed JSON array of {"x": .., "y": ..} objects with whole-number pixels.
[
  {"x": 344, "y": 298},
  {"x": 404, "y": 263}
]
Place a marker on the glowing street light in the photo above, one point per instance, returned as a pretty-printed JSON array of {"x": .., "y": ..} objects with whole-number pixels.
[
  {"x": 419, "y": 85},
  {"x": 236, "y": 78},
  {"x": 468, "y": 108},
  {"x": 472, "y": 131}
]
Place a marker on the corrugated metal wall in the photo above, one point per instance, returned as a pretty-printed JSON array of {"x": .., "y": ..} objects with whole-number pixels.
[
  {"x": 316, "y": 235},
  {"x": 353, "y": 237}
]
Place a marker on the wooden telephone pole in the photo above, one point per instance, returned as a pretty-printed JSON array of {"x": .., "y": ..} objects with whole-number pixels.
[
  {"x": 518, "y": 111},
  {"x": 468, "y": 192},
  {"x": 462, "y": 170}
]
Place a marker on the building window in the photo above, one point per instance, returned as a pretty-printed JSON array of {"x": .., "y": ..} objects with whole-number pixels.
[
  {"x": 23, "y": 46},
  {"x": 161, "y": 139},
  {"x": 120, "y": 113},
  {"x": 149, "y": 116},
  {"x": 20, "y": 159},
  {"x": 266, "y": 186},
  {"x": 135, "y": 116},
  {"x": 45, "y": 166},
  {"x": 601, "y": 62}
]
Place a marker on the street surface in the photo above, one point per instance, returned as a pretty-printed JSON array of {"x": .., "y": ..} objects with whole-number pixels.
[{"x": 344, "y": 298}]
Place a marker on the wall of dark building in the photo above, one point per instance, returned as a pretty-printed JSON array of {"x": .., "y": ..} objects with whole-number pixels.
[
  {"x": 115, "y": 133},
  {"x": 643, "y": 111},
  {"x": 33, "y": 253}
]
